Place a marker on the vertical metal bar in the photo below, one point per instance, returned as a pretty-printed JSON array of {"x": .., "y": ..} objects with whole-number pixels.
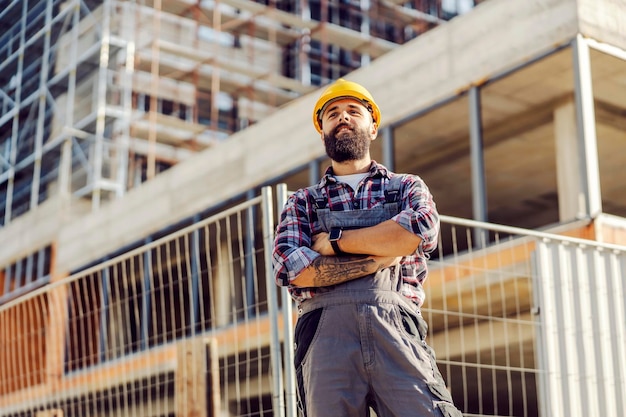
[
  {"x": 617, "y": 290},
  {"x": 28, "y": 273},
  {"x": 278, "y": 400},
  {"x": 65, "y": 168},
  {"x": 365, "y": 29},
  {"x": 123, "y": 149},
  {"x": 65, "y": 165},
  {"x": 304, "y": 62},
  {"x": 288, "y": 336},
  {"x": 41, "y": 110},
  {"x": 19, "y": 273},
  {"x": 98, "y": 146},
  {"x": 146, "y": 299},
  {"x": 479, "y": 188},
  {"x": 596, "y": 395},
  {"x": 105, "y": 284},
  {"x": 8, "y": 211},
  {"x": 548, "y": 351},
  {"x": 8, "y": 277},
  {"x": 388, "y": 144},
  {"x": 249, "y": 256},
  {"x": 41, "y": 262},
  {"x": 586, "y": 123},
  {"x": 195, "y": 279},
  {"x": 314, "y": 171}
]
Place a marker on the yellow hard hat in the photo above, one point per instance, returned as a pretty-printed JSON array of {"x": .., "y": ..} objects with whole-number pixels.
[{"x": 340, "y": 89}]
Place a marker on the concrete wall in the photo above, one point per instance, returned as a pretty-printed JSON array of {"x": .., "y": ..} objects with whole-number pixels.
[
  {"x": 496, "y": 36},
  {"x": 604, "y": 21}
]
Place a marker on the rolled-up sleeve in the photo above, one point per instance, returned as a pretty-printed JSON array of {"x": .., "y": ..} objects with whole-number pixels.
[
  {"x": 419, "y": 215},
  {"x": 292, "y": 251}
]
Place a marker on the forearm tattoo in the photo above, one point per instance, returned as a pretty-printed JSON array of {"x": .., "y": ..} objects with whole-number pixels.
[{"x": 330, "y": 270}]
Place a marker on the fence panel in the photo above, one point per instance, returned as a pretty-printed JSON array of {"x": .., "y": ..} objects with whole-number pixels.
[
  {"x": 583, "y": 339},
  {"x": 527, "y": 323},
  {"x": 524, "y": 324},
  {"x": 481, "y": 317},
  {"x": 179, "y": 326}
]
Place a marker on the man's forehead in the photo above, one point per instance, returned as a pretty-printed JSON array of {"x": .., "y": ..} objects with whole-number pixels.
[{"x": 349, "y": 101}]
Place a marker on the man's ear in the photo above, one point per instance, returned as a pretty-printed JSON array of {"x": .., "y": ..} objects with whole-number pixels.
[{"x": 374, "y": 131}]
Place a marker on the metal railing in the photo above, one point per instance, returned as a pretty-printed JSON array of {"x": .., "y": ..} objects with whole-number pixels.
[{"x": 524, "y": 323}]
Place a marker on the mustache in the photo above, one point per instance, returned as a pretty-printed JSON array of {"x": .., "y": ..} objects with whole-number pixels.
[{"x": 339, "y": 126}]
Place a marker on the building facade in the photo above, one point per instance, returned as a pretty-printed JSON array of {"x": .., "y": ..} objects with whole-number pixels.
[{"x": 136, "y": 137}]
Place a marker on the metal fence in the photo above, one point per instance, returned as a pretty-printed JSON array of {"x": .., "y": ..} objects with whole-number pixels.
[
  {"x": 527, "y": 323},
  {"x": 524, "y": 324}
]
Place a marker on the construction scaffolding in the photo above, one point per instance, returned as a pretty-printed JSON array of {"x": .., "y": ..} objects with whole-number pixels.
[{"x": 98, "y": 96}]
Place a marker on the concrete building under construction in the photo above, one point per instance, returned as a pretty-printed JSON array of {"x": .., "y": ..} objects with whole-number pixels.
[{"x": 140, "y": 142}]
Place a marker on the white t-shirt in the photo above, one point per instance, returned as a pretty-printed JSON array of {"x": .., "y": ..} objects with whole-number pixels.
[{"x": 352, "y": 180}]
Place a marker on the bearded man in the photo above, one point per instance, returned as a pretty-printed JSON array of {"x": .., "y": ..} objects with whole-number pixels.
[{"x": 352, "y": 251}]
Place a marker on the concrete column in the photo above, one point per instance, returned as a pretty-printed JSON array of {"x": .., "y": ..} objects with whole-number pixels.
[
  {"x": 568, "y": 167},
  {"x": 586, "y": 128},
  {"x": 221, "y": 297},
  {"x": 388, "y": 143}
]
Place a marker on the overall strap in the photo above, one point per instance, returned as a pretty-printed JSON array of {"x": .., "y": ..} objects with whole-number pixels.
[
  {"x": 319, "y": 199},
  {"x": 392, "y": 193}
]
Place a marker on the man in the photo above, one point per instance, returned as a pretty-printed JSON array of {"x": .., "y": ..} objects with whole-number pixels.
[{"x": 352, "y": 251}]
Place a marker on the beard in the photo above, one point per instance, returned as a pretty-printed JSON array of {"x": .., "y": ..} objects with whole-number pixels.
[{"x": 349, "y": 145}]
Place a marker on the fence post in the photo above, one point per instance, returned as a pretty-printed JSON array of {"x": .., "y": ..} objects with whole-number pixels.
[
  {"x": 278, "y": 399},
  {"x": 287, "y": 303}
]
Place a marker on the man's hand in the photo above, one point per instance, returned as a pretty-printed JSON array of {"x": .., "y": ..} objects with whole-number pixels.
[{"x": 322, "y": 245}]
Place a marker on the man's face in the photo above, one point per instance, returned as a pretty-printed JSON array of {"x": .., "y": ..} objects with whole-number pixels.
[{"x": 348, "y": 129}]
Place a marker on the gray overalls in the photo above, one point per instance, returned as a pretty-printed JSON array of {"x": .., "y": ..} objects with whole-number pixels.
[{"x": 361, "y": 344}]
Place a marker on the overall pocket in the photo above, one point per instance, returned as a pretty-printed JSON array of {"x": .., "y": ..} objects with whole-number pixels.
[
  {"x": 306, "y": 328},
  {"x": 414, "y": 324}
]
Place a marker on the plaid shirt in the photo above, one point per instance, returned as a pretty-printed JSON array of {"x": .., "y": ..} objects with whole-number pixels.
[{"x": 298, "y": 223}]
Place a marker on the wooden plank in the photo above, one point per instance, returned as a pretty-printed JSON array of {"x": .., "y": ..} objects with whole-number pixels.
[
  {"x": 493, "y": 259},
  {"x": 50, "y": 413},
  {"x": 352, "y": 40},
  {"x": 496, "y": 257},
  {"x": 190, "y": 381},
  {"x": 55, "y": 337},
  {"x": 273, "y": 14},
  {"x": 203, "y": 57},
  {"x": 213, "y": 382},
  {"x": 612, "y": 229},
  {"x": 492, "y": 282}
]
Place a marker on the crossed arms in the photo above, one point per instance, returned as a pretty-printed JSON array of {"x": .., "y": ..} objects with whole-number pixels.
[{"x": 371, "y": 249}]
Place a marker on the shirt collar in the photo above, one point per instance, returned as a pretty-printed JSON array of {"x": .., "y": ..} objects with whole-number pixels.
[{"x": 376, "y": 170}]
